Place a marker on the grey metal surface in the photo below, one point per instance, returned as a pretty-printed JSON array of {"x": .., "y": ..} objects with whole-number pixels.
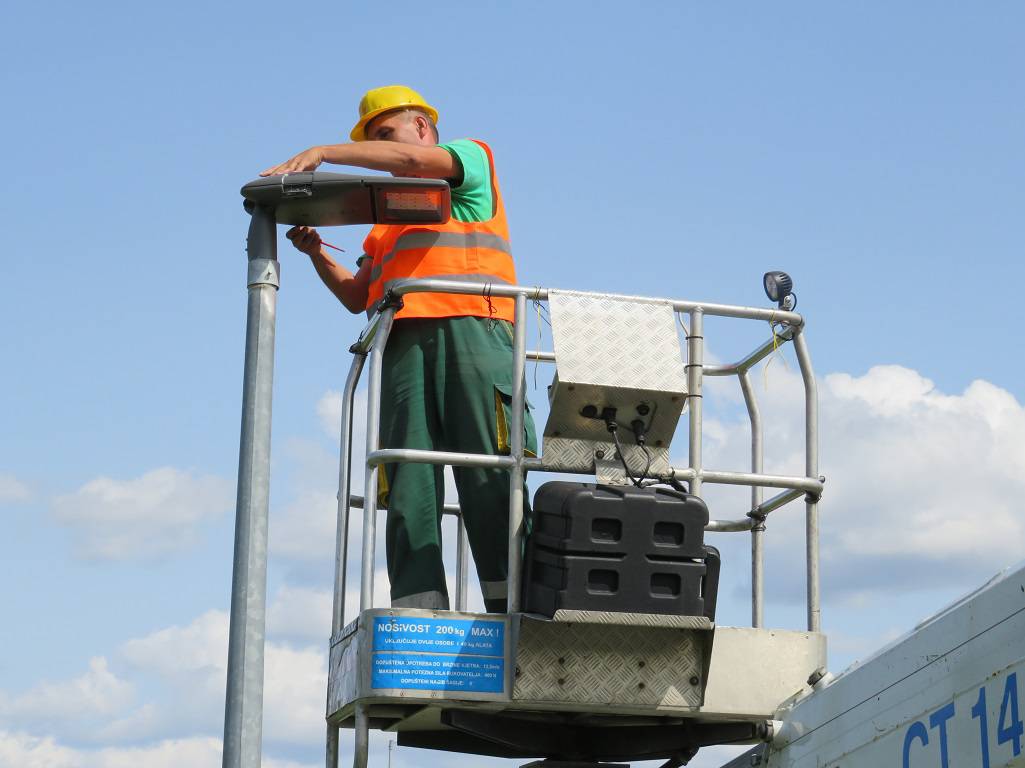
[
  {"x": 516, "y": 446},
  {"x": 243, "y": 709},
  {"x": 753, "y": 671},
  {"x": 591, "y": 666},
  {"x": 612, "y": 353},
  {"x": 632, "y": 619},
  {"x": 343, "y": 513}
]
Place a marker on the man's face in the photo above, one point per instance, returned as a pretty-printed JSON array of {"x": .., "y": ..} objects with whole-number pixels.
[{"x": 404, "y": 127}]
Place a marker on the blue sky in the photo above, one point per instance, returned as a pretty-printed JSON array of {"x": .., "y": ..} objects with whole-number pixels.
[{"x": 873, "y": 150}]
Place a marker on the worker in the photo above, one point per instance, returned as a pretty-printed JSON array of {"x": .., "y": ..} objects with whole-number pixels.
[{"x": 447, "y": 369}]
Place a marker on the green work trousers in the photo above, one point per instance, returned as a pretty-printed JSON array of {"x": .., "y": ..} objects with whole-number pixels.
[{"x": 446, "y": 386}]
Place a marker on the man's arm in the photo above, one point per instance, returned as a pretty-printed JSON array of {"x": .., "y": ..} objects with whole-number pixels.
[
  {"x": 350, "y": 289},
  {"x": 391, "y": 156}
]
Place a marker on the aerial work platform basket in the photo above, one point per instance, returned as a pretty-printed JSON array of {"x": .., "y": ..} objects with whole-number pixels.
[{"x": 574, "y": 680}]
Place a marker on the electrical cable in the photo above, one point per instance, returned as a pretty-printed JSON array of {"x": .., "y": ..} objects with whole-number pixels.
[{"x": 622, "y": 456}]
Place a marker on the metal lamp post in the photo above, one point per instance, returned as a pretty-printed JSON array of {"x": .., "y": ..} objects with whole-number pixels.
[{"x": 314, "y": 199}]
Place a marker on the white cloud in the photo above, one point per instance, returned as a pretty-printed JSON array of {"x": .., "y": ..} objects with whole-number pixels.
[
  {"x": 191, "y": 663},
  {"x": 922, "y": 488},
  {"x": 155, "y": 514},
  {"x": 305, "y": 528},
  {"x": 12, "y": 490},
  {"x": 301, "y": 613},
  {"x": 81, "y": 704},
  {"x": 21, "y": 750}
]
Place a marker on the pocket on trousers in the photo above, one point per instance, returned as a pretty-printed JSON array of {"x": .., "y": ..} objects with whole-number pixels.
[{"x": 503, "y": 419}]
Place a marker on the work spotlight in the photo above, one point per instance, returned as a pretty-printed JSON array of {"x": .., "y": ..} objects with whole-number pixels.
[{"x": 779, "y": 288}]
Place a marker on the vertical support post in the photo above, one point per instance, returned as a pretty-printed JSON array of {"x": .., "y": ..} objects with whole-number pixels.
[
  {"x": 811, "y": 440},
  {"x": 344, "y": 491},
  {"x": 519, "y": 400},
  {"x": 361, "y": 751},
  {"x": 462, "y": 564},
  {"x": 243, "y": 709},
  {"x": 332, "y": 746},
  {"x": 695, "y": 377},
  {"x": 366, "y": 593},
  {"x": 758, "y": 529}
]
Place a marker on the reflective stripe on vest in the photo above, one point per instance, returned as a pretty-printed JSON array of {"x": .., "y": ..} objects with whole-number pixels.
[
  {"x": 476, "y": 277},
  {"x": 420, "y": 239}
]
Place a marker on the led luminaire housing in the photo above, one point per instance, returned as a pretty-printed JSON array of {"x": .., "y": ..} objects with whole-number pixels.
[{"x": 337, "y": 199}]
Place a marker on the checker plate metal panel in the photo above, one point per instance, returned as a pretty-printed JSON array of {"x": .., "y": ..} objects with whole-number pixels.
[
  {"x": 612, "y": 353},
  {"x": 634, "y": 619},
  {"x": 610, "y": 665},
  {"x": 614, "y": 342},
  {"x": 578, "y": 455}
]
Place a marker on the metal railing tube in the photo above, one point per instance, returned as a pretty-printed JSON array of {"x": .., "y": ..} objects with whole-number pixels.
[
  {"x": 519, "y": 401},
  {"x": 812, "y": 486},
  {"x": 344, "y": 482},
  {"x": 420, "y": 456},
  {"x": 811, "y": 438},
  {"x": 758, "y": 527},
  {"x": 751, "y": 360},
  {"x": 462, "y": 565},
  {"x": 243, "y": 706},
  {"x": 433, "y": 285},
  {"x": 366, "y": 592},
  {"x": 695, "y": 362},
  {"x": 729, "y": 526},
  {"x": 777, "y": 501}
]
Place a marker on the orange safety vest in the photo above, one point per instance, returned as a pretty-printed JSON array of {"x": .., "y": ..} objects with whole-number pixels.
[{"x": 470, "y": 251}]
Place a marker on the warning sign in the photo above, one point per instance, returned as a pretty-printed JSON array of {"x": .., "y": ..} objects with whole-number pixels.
[{"x": 439, "y": 654}]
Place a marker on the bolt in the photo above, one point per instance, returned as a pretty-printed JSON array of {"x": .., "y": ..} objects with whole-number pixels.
[
  {"x": 562, "y": 660},
  {"x": 640, "y": 686},
  {"x": 694, "y": 680},
  {"x": 643, "y": 409},
  {"x": 562, "y": 681},
  {"x": 640, "y": 664},
  {"x": 599, "y": 454},
  {"x": 517, "y": 672}
]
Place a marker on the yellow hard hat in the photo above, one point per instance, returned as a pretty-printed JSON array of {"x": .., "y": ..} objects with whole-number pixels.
[{"x": 377, "y": 101}]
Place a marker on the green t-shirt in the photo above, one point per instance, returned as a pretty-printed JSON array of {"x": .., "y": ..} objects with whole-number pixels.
[{"x": 471, "y": 200}]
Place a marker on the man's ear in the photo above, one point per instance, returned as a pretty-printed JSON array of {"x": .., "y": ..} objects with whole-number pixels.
[{"x": 423, "y": 127}]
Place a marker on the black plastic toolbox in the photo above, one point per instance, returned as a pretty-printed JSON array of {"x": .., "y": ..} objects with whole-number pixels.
[{"x": 620, "y": 549}]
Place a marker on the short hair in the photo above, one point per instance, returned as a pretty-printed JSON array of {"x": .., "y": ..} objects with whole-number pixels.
[{"x": 430, "y": 121}]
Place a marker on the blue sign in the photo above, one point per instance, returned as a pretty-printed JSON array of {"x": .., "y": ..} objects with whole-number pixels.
[{"x": 439, "y": 654}]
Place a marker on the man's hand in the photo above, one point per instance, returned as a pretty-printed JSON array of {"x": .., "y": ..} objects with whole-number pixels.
[
  {"x": 306, "y": 239},
  {"x": 304, "y": 161}
]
